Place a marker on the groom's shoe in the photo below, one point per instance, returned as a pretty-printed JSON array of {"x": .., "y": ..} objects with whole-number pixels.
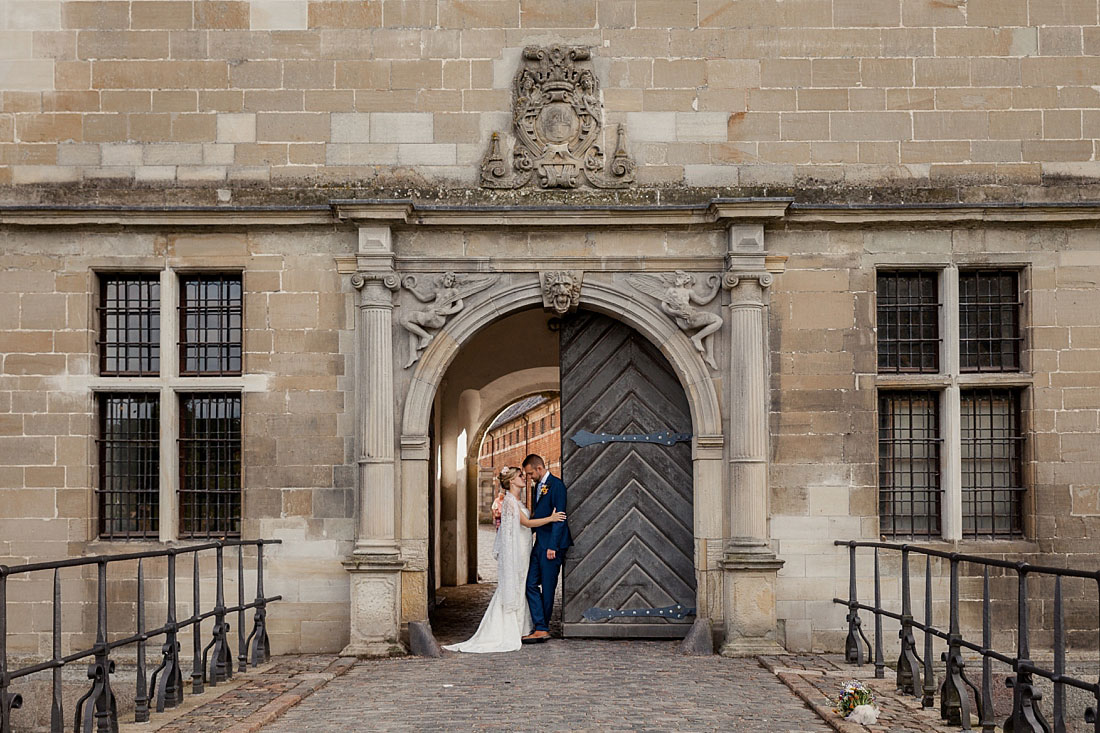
[{"x": 536, "y": 637}]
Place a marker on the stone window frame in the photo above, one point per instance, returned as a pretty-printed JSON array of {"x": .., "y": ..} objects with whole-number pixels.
[
  {"x": 951, "y": 381},
  {"x": 169, "y": 385}
]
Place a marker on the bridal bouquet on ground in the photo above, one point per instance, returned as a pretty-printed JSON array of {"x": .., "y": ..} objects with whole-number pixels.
[{"x": 856, "y": 703}]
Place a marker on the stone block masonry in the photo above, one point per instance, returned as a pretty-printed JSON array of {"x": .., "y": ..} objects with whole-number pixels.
[{"x": 224, "y": 93}]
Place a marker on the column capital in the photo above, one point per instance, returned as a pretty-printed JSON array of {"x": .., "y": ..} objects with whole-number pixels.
[
  {"x": 747, "y": 288},
  {"x": 376, "y": 288}
]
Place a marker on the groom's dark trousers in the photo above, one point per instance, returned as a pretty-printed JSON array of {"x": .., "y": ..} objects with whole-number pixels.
[{"x": 542, "y": 575}]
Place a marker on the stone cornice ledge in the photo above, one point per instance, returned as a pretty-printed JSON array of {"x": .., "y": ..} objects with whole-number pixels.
[
  {"x": 962, "y": 213},
  {"x": 209, "y": 216},
  {"x": 397, "y": 212}
]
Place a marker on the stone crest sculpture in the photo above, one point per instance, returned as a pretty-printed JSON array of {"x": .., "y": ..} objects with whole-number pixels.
[
  {"x": 557, "y": 118},
  {"x": 444, "y": 300},
  {"x": 678, "y": 295},
  {"x": 561, "y": 290}
]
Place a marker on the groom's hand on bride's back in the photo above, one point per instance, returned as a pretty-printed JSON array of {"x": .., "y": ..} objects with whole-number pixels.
[{"x": 551, "y": 554}]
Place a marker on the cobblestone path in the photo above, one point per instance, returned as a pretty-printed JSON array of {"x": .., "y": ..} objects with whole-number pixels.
[{"x": 560, "y": 685}]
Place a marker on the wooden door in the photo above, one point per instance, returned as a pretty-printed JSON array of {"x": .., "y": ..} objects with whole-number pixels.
[{"x": 630, "y": 504}]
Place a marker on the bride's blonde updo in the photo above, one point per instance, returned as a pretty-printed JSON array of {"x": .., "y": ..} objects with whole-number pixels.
[{"x": 506, "y": 475}]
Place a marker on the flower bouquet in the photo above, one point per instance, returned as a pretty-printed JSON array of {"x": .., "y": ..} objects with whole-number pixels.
[{"x": 856, "y": 703}]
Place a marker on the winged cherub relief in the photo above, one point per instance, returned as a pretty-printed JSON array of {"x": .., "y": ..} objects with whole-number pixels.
[
  {"x": 444, "y": 300},
  {"x": 678, "y": 295}
]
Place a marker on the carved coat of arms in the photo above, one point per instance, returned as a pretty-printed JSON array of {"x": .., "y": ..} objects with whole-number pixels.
[{"x": 557, "y": 118}]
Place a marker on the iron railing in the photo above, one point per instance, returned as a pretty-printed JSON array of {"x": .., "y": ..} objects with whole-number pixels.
[
  {"x": 1026, "y": 716},
  {"x": 97, "y": 709}
]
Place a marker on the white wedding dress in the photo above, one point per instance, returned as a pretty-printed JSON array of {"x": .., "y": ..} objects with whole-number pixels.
[{"x": 507, "y": 618}]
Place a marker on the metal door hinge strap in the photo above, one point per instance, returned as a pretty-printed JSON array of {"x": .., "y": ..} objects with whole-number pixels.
[
  {"x": 584, "y": 438},
  {"x": 678, "y": 612}
]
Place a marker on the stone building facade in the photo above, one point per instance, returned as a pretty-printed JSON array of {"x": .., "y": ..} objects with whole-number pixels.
[{"x": 846, "y": 186}]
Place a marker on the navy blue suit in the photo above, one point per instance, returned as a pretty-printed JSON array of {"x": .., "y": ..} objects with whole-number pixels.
[{"x": 542, "y": 575}]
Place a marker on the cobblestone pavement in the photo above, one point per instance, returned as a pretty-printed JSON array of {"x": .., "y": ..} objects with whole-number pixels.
[{"x": 561, "y": 685}]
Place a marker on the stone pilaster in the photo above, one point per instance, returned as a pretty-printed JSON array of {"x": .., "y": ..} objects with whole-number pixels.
[
  {"x": 748, "y": 563},
  {"x": 375, "y": 564}
]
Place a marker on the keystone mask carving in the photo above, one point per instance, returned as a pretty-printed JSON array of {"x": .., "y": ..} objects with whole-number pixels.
[
  {"x": 678, "y": 295},
  {"x": 561, "y": 290},
  {"x": 557, "y": 118},
  {"x": 444, "y": 299}
]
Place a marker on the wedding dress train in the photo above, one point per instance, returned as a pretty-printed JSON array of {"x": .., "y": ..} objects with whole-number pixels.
[{"x": 508, "y": 617}]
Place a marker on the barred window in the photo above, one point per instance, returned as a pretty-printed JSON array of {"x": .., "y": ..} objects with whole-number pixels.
[
  {"x": 210, "y": 465},
  {"x": 992, "y": 466},
  {"x": 908, "y": 316},
  {"x": 129, "y": 325},
  {"x": 909, "y": 464},
  {"x": 129, "y": 465},
  {"x": 989, "y": 321},
  {"x": 211, "y": 309}
]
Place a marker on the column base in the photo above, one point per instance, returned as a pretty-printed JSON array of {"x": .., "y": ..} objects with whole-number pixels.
[
  {"x": 749, "y": 577},
  {"x": 375, "y": 604}
]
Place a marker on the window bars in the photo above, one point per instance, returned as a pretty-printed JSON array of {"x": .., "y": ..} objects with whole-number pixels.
[
  {"x": 989, "y": 321},
  {"x": 129, "y": 325},
  {"x": 210, "y": 464},
  {"x": 211, "y": 325},
  {"x": 129, "y": 465},
  {"x": 954, "y": 690},
  {"x": 909, "y": 464},
  {"x": 992, "y": 466},
  {"x": 211, "y": 664},
  {"x": 908, "y": 319}
]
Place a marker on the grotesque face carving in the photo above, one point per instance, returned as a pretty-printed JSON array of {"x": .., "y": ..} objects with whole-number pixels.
[{"x": 561, "y": 291}]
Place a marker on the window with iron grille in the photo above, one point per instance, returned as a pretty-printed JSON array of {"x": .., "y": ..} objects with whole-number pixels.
[
  {"x": 989, "y": 321},
  {"x": 909, "y": 464},
  {"x": 908, "y": 320},
  {"x": 129, "y": 325},
  {"x": 129, "y": 465},
  {"x": 210, "y": 465},
  {"x": 211, "y": 311},
  {"x": 992, "y": 465}
]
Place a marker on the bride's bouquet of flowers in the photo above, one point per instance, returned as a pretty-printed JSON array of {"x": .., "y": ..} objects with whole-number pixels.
[{"x": 856, "y": 703}]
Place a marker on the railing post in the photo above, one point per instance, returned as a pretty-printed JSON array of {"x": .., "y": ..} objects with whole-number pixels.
[
  {"x": 8, "y": 701},
  {"x": 98, "y": 706},
  {"x": 242, "y": 647},
  {"x": 908, "y": 677},
  {"x": 853, "y": 645},
  {"x": 954, "y": 700},
  {"x": 141, "y": 694},
  {"x": 261, "y": 646},
  {"x": 880, "y": 664},
  {"x": 57, "y": 710},
  {"x": 988, "y": 724},
  {"x": 1059, "y": 659},
  {"x": 169, "y": 689},
  {"x": 1025, "y": 717},
  {"x": 928, "y": 698},
  {"x": 220, "y": 667},
  {"x": 196, "y": 637}
]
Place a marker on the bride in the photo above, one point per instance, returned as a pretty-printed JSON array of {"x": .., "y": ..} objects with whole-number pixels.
[{"x": 508, "y": 617}]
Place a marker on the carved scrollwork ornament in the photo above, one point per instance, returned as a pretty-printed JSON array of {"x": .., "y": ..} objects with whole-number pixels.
[
  {"x": 679, "y": 294},
  {"x": 732, "y": 279},
  {"x": 375, "y": 288},
  {"x": 561, "y": 290},
  {"x": 557, "y": 120},
  {"x": 444, "y": 297}
]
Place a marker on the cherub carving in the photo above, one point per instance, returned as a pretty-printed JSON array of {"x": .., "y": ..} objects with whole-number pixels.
[
  {"x": 678, "y": 296},
  {"x": 444, "y": 300}
]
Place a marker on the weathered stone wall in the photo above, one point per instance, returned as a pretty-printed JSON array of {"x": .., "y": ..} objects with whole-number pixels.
[
  {"x": 298, "y": 456},
  {"x": 823, "y": 412},
  {"x": 225, "y": 93}
]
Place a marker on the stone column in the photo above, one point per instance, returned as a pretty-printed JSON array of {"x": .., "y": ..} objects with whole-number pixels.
[
  {"x": 748, "y": 562},
  {"x": 375, "y": 564}
]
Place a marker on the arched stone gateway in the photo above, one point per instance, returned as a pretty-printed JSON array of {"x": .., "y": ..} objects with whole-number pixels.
[{"x": 446, "y": 301}]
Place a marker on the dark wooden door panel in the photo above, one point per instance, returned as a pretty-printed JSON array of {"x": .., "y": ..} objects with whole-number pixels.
[{"x": 630, "y": 504}]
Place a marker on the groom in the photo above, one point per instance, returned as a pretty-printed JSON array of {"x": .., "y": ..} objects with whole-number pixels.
[{"x": 551, "y": 542}]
